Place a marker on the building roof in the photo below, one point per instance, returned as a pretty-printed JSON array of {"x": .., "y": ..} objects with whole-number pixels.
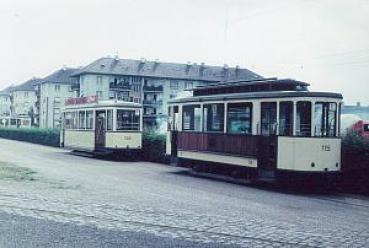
[
  {"x": 6, "y": 91},
  {"x": 115, "y": 66},
  {"x": 62, "y": 76},
  {"x": 27, "y": 86}
]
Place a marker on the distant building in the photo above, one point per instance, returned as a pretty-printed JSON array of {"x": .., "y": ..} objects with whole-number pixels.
[
  {"x": 51, "y": 94},
  {"x": 23, "y": 101},
  {"x": 151, "y": 83},
  {"x": 5, "y": 102}
]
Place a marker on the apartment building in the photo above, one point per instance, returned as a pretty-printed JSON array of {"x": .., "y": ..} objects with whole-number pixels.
[
  {"x": 51, "y": 93},
  {"x": 23, "y": 100},
  {"x": 151, "y": 83}
]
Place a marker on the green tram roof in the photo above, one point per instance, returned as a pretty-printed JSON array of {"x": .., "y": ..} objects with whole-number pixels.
[{"x": 105, "y": 104}]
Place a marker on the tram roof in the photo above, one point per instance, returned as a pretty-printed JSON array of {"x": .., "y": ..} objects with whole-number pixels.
[
  {"x": 270, "y": 81},
  {"x": 256, "y": 95},
  {"x": 107, "y": 103}
]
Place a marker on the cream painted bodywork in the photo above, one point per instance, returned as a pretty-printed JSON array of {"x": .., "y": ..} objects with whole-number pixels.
[
  {"x": 84, "y": 140},
  {"x": 123, "y": 140},
  {"x": 297, "y": 153},
  {"x": 168, "y": 144},
  {"x": 211, "y": 157}
]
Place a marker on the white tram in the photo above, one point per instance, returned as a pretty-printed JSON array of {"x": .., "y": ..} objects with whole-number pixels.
[
  {"x": 15, "y": 122},
  {"x": 102, "y": 127},
  {"x": 267, "y": 129}
]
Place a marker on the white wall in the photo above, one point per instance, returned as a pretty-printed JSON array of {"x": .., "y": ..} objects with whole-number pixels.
[
  {"x": 52, "y": 99},
  {"x": 4, "y": 105},
  {"x": 23, "y": 101}
]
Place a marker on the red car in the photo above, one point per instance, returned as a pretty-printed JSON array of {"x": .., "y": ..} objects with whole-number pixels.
[{"x": 361, "y": 128}]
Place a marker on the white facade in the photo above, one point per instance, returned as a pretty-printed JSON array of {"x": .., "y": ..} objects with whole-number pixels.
[
  {"x": 52, "y": 99},
  {"x": 23, "y": 102},
  {"x": 153, "y": 93},
  {"x": 5, "y": 105}
]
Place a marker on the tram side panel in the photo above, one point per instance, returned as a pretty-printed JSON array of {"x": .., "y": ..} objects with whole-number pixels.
[
  {"x": 309, "y": 154},
  {"x": 120, "y": 140},
  {"x": 83, "y": 140}
]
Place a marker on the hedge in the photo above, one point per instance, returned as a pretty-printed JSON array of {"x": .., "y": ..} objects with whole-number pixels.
[
  {"x": 153, "y": 147},
  {"x": 49, "y": 137},
  {"x": 355, "y": 164}
]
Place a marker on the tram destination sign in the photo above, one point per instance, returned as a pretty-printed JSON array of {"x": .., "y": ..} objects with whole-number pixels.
[{"x": 81, "y": 100}]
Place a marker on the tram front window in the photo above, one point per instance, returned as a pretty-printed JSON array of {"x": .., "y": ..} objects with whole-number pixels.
[
  {"x": 128, "y": 119},
  {"x": 89, "y": 119},
  {"x": 191, "y": 118},
  {"x": 239, "y": 116},
  {"x": 366, "y": 127},
  {"x": 286, "y": 118},
  {"x": 214, "y": 117},
  {"x": 109, "y": 120},
  {"x": 325, "y": 119},
  {"x": 82, "y": 119},
  {"x": 303, "y": 119}
]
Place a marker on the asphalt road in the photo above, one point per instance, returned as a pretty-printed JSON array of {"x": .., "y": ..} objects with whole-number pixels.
[{"x": 48, "y": 195}]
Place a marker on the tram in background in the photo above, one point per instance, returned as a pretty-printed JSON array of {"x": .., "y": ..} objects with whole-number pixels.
[
  {"x": 263, "y": 130},
  {"x": 102, "y": 127},
  {"x": 15, "y": 122}
]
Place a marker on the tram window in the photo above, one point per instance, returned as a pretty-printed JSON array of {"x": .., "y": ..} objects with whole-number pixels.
[
  {"x": 109, "y": 120},
  {"x": 192, "y": 118},
  {"x": 128, "y": 119},
  {"x": 82, "y": 119},
  {"x": 214, "y": 117},
  {"x": 268, "y": 118},
  {"x": 239, "y": 116},
  {"x": 325, "y": 119},
  {"x": 89, "y": 119},
  {"x": 286, "y": 118},
  {"x": 303, "y": 119}
]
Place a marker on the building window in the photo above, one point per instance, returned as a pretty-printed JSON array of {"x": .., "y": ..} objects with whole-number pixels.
[
  {"x": 26, "y": 94},
  {"x": 99, "y": 81},
  {"x": 214, "y": 117},
  {"x": 99, "y": 94},
  {"x": 191, "y": 118},
  {"x": 239, "y": 117},
  {"x": 57, "y": 88},
  {"x": 174, "y": 85},
  {"x": 188, "y": 85},
  {"x": 128, "y": 119},
  {"x": 57, "y": 99}
]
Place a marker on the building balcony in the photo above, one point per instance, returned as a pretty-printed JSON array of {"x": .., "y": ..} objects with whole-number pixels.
[
  {"x": 119, "y": 87},
  {"x": 153, "y": 88},
  {"x": 152, "y": 102}
]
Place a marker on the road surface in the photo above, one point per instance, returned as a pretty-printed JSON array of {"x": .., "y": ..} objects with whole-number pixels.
[{"x": 50, "y": 198}]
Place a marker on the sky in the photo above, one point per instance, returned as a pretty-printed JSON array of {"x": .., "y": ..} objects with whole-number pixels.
[{"x": 322, "y": 42}]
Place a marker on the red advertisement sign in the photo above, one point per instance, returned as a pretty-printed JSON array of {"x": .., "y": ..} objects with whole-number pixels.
[{"x": 81, "y": 100}]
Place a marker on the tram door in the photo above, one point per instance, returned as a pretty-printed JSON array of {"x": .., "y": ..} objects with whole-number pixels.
[
  {"x": 174, "y": 132},
  {"x": 100, "y": 129},
  {"x": 268, "y": 139}
]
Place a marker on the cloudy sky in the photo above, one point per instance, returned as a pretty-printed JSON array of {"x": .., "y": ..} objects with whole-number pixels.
[{"x": 325, "y": 43}]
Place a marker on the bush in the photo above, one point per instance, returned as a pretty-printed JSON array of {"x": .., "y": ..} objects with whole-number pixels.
[
  {"x": 355, "y": 166},
  {"x": 153, "y": 147},
  {"x": 49, "y": 137}
]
